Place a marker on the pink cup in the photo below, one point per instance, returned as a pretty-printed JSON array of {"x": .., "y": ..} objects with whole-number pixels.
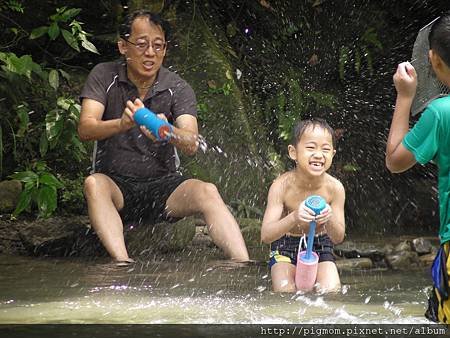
[{"x": 306, "y": 272}]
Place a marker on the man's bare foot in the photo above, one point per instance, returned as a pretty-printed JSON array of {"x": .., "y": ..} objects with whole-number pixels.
[{"x": 125, "y": 262}]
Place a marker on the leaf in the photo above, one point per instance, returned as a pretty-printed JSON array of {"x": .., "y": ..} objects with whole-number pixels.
[
  {"x": 89, "y": 46},
  {"x": 25, "y": 176},
  {"x": 22, "y": 113},
  {"x": 43, "y": 145},
  {"x": 69, "y": 14},
  {"x": 54, "y": 130},
  {"x": 65, "y": 74},
  {"x": 70, "y": 39},
  {"x": 53, "y": 79},
  {"x": 23, "y": 203},
  {"x": 53, "y": 31},
  {"x": 228, "y": 75},
  {"x": 46, "y": 200},
  {"x": 38, "y": 32},
  {"x": 50, "y": 180},
  {"x": 343, "y": 59},
  {"x": 63, "y": 102},
  {"x": 40, "y": 166},
  {"x": 53, "y": 126}
]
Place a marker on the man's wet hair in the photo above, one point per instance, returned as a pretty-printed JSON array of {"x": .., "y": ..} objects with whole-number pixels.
[
  {"x": 439, "y": 37},
  {"x": 303, "y": 125},
  {"x": 125, "y": 27}
]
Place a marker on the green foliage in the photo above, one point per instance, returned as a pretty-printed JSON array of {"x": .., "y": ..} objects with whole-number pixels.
[
  {"x": 40, "y": 188},
  {"x": 12, "y": 5},
  {"x": 350, "y": 167},
  {"x": 226, "y": 89},
  {"x": 39, "y": 116},
  {"x": 23, "y": 65},
  {"x": 61, "y": 129},
  {"x": 244, "y": 210},
  {"x": 291, "y": 101},
  {"x": 72, "y": 196},
  {"x": 362, "y": 51},
  {"x": 71, "y": 32}
]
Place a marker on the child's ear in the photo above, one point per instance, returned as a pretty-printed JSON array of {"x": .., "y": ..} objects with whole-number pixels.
[
  {"x": 122, "y": 46},
  {"x": 435, "y": 60},
  {"x": 292, "y": 152}
]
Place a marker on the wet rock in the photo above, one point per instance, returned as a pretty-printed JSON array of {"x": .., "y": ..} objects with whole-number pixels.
[
  {"x": 388, "y": 248},
  {"x": 72, "y": 236},
  {"x": 403, "y": 246},
  {"x": 202, "y": 238},
  {"x": 354, "y": 264},
  {"x": 9, "y": 195},
  {"x": 57, "y": 236},
  {"x": 421, "y": 245},
  {"x": 427, "y": 259},
  {"x": 350, "y": 249},
  {"x": 402, "y": 260}
]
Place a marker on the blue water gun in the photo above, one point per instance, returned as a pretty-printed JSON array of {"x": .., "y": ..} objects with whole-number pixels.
[
  {"x": 317, "y": 204},
  {"x": 161, "y": 129}
]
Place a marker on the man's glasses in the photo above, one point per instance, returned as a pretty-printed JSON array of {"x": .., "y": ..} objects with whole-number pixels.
[{"x": 142, "y": 45}]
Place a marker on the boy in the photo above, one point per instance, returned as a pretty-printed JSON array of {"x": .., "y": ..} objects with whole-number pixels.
[
  {"x": 428, "y": 140},
  {"x": 287, "y": 218}
]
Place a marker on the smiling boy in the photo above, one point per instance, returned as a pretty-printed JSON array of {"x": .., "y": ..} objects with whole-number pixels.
[{"x": 286, "y": 218}]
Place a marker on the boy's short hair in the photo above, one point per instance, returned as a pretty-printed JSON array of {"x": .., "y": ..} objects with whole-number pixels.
[
  {"x": 439, "y": 37},
  {"x": 125, "y": 27},
  {"x": 302, "y": 125}
]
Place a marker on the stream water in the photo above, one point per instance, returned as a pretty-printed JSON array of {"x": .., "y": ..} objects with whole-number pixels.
[{"x": 160, "y": 291}]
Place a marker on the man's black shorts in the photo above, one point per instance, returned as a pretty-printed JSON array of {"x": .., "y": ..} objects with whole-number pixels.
[{"x": 145, "y": 198}]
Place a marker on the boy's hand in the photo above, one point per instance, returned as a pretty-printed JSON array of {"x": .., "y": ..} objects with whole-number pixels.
[
  {"x": 405, "y": 80},
  {"x": 305, "y": 214},
  {"x": 325, "y": 215}
]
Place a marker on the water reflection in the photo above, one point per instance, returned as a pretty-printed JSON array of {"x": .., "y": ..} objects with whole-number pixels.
[{"x": 79, "y": 291}]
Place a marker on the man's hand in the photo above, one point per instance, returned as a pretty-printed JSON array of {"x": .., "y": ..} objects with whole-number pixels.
[
  {"x": 127, "y": 121},
  {"x": 405, "y": 80},
  {"x": 148, "y": 133}
]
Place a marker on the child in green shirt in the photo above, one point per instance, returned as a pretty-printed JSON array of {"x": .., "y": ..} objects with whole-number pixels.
[{"x": 428, "y": 140}]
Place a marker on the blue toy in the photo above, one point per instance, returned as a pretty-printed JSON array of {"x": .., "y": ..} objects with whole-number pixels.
[
  {"x": 159, "y": 128},
  {"x": 316, "y": 204}
]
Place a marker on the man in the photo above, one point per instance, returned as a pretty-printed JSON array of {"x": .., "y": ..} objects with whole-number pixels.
[{"x": 135, "y": 177}]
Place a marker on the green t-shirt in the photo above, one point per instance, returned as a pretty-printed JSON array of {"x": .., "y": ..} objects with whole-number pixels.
[{"x": 428, "y": 140}]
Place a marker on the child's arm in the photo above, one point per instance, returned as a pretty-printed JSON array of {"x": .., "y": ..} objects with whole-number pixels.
[
  {"x": 273, "y": 226},
  {"x": 398, "y": 158},
  {"x": 335, "y": 220}
]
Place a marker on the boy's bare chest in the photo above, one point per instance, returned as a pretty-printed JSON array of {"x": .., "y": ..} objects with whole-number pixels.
[{"x": 294, "y": 197}]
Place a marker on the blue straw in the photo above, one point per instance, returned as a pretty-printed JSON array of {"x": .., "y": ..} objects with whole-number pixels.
[
  {"x": 310, "y": 242},
  {"x": 317, "y": 204}
]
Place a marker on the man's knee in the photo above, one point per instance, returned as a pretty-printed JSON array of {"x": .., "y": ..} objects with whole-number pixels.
[
  {"x": 93, "y": 186},
  {"x": 209, "y": 192}
]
